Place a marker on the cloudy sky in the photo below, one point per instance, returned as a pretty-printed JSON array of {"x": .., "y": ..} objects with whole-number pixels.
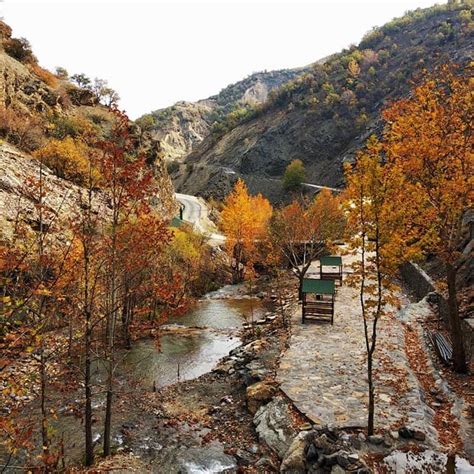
[{"x": 155, "y": 53}]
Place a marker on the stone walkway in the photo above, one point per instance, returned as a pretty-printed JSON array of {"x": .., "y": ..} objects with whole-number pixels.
[{"x": 324, "y": 370}]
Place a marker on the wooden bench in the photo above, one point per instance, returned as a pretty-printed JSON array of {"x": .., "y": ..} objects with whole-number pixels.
[
  {"x": 318, "y": 311},
  {"x": 442, "y": 346}
]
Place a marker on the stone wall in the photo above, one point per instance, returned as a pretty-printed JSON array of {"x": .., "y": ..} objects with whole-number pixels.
[
  {"x": 421, "y": 284},
  {"x": 417, "y": 279}
]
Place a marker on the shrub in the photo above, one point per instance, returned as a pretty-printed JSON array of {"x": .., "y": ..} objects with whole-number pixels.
[
  {"x": 46, "y": 76},
  {"x": 172, "y": 166},
  {"x": 294, "y": 175},
  {"x": 67, "y": 158},
  {"x": 24, "y": 131},
  {"x": 20, "y": 49},
  {"x": 62, "y": 126},
  {"x": 61, "y": 73}
]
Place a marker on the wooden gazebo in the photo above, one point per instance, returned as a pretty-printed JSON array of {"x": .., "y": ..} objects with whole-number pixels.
[
  {"x": 333, "y": 262},
  {"x": 318, "y": 300}
]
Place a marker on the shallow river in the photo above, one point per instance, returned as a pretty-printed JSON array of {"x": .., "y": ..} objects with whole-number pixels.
[
  {"x": 183, "y": 356},
  {"x": 216, "y": 320}
]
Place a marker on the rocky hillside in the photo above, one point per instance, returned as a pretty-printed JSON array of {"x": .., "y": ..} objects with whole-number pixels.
[
  {"x": 45, "y": 115},
  {"x": 324, "y": 116},
  {"x": 182, "y": 126}
]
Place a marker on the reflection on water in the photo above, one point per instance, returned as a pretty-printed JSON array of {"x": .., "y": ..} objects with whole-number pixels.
[
  {"x": 219, "y": 313},
  {"x": 150, "y": 364},
  {"x": 190, "y": 354}
]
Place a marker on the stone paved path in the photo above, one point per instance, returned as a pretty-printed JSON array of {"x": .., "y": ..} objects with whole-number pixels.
[{"x": 324, "y": 370}]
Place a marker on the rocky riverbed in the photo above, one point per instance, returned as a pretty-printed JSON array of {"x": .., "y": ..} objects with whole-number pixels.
[{"x": 236, "y": 418}]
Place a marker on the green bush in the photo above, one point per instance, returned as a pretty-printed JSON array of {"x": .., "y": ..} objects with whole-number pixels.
[{"x": 294, "y": 175}]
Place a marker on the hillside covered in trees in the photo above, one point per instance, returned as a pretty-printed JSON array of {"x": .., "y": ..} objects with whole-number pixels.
[{"x": 324, "y": 116}]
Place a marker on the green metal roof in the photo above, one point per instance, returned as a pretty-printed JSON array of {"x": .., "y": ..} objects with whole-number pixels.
[
  {"x": 176, "y": 222},
  {"x": 331, "y": 261},
  {"x": 319, "y": 287}
]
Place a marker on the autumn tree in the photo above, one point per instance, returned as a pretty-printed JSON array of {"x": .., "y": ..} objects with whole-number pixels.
[
  {"x": 302, "y": 233},
  {"x": 81, "y": 79},
  {"x": 294, "y": 175},
  {"x": 244, "y": 220},
  {"x": 375, "y": 235},
  {"x": 31, "y": 265},
  {"x": 104, "y": 93},
  {"x": 141, "y": 243},
  {"x": 128, "y": 184},
  {"x": 429, "y": 138},
  {"x": 84, "y": 285}
]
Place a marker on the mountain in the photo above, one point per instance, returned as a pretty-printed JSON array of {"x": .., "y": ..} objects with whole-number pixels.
[
  {"x": 326, "y": 114},
  {"x": 41, "y": 113},
  {"x": 182, "y": 126}
]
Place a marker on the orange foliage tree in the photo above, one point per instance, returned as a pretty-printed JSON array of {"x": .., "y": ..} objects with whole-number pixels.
[
  {"x": 375, "y": 231},
  {"x": 244, "y": 220},
  {"x": 302, "y": 233},
  {"x": 429, "y": 139}
]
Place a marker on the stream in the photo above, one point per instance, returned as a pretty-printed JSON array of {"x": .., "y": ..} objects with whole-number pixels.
[
  {"x": 190, "y": 346},
  {"x": 185, "y": 355}
]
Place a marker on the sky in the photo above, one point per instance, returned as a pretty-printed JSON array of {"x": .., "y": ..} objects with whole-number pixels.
[{"x": 155, "y": 53}]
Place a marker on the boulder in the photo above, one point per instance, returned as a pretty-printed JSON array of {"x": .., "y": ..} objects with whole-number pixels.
[
  {"x": 324, "y": 445},
  {"x": 312, "y": 454},
  {"x": 258, "y": 394},
  {"x": 405, "y": 433},
  {"x": 375, "y": 439},
  {"x": 273, "y": 423},
  {"x": 294, "y": 460}
]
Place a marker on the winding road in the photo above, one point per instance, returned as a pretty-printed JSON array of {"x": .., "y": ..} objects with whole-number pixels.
[{"x": 196, "y": 212}]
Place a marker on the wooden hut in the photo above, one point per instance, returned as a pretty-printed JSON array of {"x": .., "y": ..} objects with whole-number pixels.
[
  {"x": 318, "y": 300},
  {"x": 334, "y": 262}
]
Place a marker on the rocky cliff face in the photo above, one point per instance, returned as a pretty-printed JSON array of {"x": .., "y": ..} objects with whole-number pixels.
[
  {"x": 19, "y": 172},
  {"x": 184, "y": 125},
  {"x": 324, "y": 116},
  {"x": 18, "y": 199}
]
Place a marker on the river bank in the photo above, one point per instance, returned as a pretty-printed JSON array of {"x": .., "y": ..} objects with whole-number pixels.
[
  {"x": 171, "y": 406},
  {"x": 204, "y": 424}
]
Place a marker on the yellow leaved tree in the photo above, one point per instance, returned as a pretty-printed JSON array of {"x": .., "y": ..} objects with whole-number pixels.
[{"x": 244, "y": 221}]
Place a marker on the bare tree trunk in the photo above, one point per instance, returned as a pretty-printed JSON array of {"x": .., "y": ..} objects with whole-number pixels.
[
  {"x": 88, "y": 394},
  {"x": 41, "y": 321},
  {"x": 300, "y": 286},
  {"x": 238, "y": 271},
  {"x": 108, "y": 412},
  {"x": 87, "y": 229},
  {"x": 371, "y": 414},
  {"x": 111, "y": 318},
  {"x": 44, "y": 410},
  {"x": 126, "y": 315},
  {"x": 459, "y": 354}
]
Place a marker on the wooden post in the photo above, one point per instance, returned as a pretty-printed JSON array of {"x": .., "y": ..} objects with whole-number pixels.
[{"x": 332, "y": 314}]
